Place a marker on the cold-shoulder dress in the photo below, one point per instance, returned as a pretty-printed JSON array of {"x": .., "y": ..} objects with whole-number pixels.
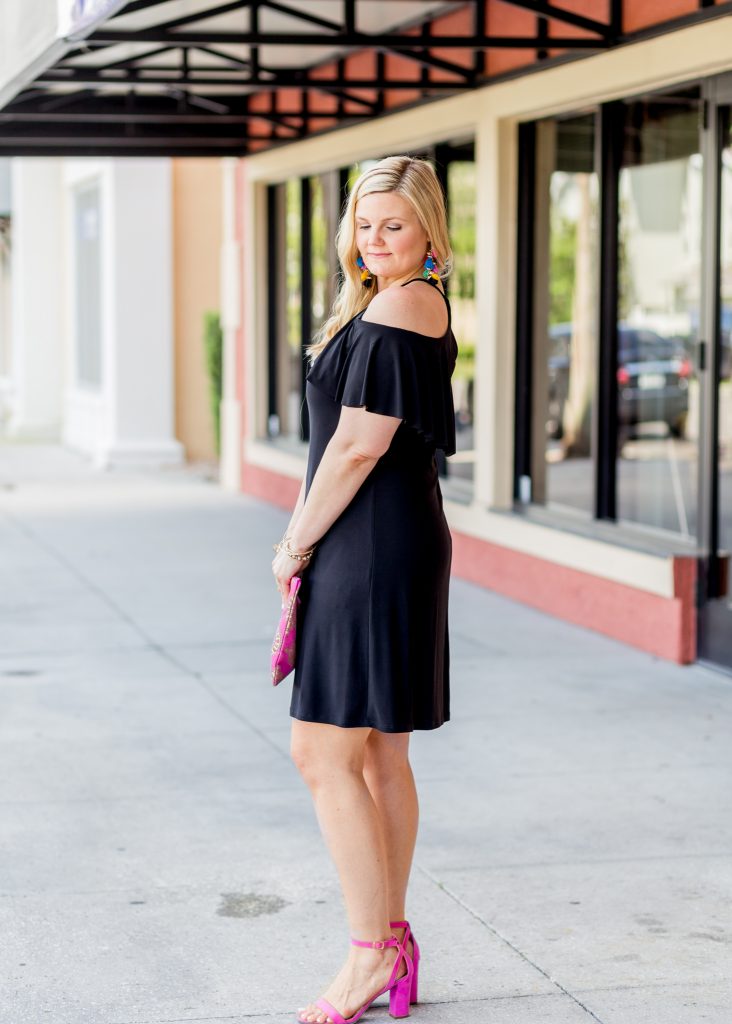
[{"x": 372, "y": 627}]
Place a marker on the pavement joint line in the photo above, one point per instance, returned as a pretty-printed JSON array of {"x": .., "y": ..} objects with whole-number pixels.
[
  {"x": 204, "y": 683},
  {"x": 153, "y": 645},
  {"x": 503, "y": 938}
]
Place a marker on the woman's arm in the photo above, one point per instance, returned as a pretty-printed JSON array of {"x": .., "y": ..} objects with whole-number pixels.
[
  {"x": 359, "y": 441},
  {"x": 297, "y": 510}
]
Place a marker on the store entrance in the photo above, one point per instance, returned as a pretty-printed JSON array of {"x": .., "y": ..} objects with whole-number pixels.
[{"x": 715, "y": 591}]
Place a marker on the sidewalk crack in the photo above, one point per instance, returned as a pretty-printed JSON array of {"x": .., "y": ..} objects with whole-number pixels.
[{"x": 503, "y": 938}]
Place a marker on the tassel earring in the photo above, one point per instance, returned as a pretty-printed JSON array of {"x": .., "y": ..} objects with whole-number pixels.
[
  {"x": 429, "y": 271},
  {"x": 366, "y": 276}
]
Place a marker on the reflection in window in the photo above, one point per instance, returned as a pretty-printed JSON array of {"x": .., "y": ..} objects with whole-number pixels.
[
  {"x": 324, "y": 213},
  {"x": 461, "y": 287},
  {"x": 286, "y": 421},
  {"x": 660, "y": 218},
  {"x": 565, "y": 331}
]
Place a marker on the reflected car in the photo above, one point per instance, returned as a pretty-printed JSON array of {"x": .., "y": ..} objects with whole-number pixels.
[{"x": 653, "y": 378}]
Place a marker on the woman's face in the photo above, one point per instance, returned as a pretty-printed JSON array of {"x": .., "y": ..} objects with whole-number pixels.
[{"x": 389, "y": 236}]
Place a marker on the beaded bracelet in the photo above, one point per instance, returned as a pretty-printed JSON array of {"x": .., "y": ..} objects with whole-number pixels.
[{"x": 301, "y": 556}]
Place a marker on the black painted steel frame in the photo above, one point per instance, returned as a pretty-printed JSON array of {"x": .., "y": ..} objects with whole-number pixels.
[
  {"x": 273, "y": 318},
  {"x": 183, "y": 118},
  {"x": 610, "y": 135},
  {"x": 524, "y": 305}
]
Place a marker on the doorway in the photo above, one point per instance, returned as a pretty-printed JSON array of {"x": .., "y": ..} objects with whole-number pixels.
[{"x": 715, "y": 584}]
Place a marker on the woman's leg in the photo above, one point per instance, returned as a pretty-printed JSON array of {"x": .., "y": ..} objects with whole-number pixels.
[
  {"x": 331, "y": 761},
  {"x": 390, "y": 780}
]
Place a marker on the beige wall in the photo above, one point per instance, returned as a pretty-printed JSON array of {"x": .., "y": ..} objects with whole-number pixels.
[{"x": 197, "y": 237}]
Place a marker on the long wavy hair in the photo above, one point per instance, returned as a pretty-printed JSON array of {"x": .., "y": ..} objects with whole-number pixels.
[{"x": 413, "y": 179}]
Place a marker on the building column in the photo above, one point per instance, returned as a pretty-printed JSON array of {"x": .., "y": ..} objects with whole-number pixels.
[
  {"x": 36, "y": 298},
  {"x": 120, "y": 402},
  {"x": 231, "y": 269}
]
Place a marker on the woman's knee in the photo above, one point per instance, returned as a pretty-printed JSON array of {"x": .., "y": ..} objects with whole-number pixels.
[
  {"x": 306, "y": 759},
  {"x": 321, "y": 753}
]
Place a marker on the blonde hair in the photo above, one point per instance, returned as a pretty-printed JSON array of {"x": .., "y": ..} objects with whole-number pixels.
[{"x": 413, "y": 179}]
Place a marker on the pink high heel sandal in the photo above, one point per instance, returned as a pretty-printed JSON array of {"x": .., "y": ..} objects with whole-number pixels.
[
  {"x": 398, "y": 988},
  {"x": 409, "y": 934}
]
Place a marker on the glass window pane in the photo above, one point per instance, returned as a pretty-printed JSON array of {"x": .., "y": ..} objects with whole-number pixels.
[
  {"x": 324, "y": 263},
  {"x": 461, "y": 286},
  {"x": 660, "y": 220},
  {"x": 566, "y": 300},
  {"x": 285, "y": 421}
]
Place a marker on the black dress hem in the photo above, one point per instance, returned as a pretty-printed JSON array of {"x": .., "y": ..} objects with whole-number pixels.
[{"x": 370, "y": 725}]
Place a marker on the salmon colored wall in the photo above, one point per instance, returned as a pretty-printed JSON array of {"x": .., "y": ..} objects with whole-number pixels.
[
  {"x": 197, "y": 232},
  {"x": 641, "y": 14},
  {"x": 662, "y": 626}
]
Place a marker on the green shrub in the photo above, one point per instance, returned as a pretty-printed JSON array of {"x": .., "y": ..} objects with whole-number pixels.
[{"x": 213, "y": 340}]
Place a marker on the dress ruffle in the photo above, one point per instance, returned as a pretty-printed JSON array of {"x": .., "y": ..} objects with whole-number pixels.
[{"x": 395, "y": 372}]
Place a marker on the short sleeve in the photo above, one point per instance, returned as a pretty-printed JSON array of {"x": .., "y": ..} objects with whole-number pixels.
[{"x": 396, "y": 373}]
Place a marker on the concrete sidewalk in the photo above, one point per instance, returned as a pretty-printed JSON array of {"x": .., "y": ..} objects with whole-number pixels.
[{"x": 159, "y": 857}]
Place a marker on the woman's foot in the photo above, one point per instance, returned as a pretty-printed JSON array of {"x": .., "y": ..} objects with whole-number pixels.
[{"x": 365, "y": 972}]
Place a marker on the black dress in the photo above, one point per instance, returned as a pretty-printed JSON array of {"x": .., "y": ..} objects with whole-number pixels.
[{"x": 372, "y": 627}]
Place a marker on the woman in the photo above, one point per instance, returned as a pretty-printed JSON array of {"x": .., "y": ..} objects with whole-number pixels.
[{"x": 370, "y": 539}]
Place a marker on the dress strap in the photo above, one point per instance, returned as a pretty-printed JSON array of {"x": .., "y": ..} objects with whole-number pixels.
[{"x": 433, "y": 283}]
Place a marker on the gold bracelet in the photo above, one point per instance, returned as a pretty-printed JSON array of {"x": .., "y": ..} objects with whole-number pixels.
[{"x": 301, "y": 556}]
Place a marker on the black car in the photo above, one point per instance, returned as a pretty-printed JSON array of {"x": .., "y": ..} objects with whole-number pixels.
[{"x": 653, "y": 378}]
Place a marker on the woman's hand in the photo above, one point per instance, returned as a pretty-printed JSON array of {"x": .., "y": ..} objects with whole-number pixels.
[{"x": 284, "y": 568}]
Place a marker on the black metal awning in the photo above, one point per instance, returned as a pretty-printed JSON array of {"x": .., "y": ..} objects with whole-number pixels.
[{"x": 200, "y": 77}]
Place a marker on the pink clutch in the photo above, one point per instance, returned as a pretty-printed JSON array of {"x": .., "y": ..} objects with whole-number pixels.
[{"x": 283, "y": 647}]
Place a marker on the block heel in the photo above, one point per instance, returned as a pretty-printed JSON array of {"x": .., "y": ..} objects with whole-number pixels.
[
  {"x": 399, "y": 998},
  {"x": 409, "y": 934}
]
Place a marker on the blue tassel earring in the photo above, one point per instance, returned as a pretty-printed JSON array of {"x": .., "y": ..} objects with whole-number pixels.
[
  {"x": 366, "y": 276},
  {"x": 429, "y": 271}
]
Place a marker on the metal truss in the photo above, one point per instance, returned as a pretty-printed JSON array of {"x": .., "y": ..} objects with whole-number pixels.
[{"x": 138, "y": 105}]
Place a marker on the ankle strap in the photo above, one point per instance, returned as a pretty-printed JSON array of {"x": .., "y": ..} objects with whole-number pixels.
[{"x": 383, "y": 944}]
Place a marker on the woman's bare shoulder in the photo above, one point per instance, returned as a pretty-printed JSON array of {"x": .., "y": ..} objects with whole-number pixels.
[{"x": 414, "y": 307}]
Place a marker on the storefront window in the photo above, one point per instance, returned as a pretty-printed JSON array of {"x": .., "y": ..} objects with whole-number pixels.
[
  {"x": 324, "y": 212},
  {"x": 565, "y": 303},
  {"x": 659, "y": 246},
  {"x": 285, "y": 276}
]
